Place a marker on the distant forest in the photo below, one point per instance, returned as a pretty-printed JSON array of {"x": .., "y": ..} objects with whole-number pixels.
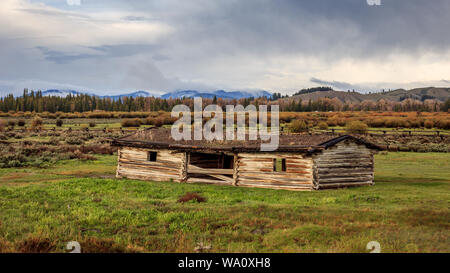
[{"x": 35, "y": 102}]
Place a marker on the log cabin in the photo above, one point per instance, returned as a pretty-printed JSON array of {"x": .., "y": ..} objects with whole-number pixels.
[{"x": 301, "y": 161}]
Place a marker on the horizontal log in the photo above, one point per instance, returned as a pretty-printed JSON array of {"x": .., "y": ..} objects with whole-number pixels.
[
  {"x": 277, "y": 175},
  {"x": 147, "y": 169},
  {"x": 256, "y": 164},
  {"x": 275, "y": 180},
  {"x": 222, "y": 177},
  {"x": 297, "y": 166},
  {"x": 345, "y": 165},
  {"x": 159, "y": 160},
  {"x": 269, "y": 155},
  {"x": 343, "y": 175},
  {"x": 250, "y": 160},
  {"x": 340, "y": 185},
  {"x": 162, "y": 171},
  {"x": 146, "y": 177},
  {"x": 210, "y": 171},
  {"x": 344, "y": 179},
  {"x": 207, "y": 181},
  {"x": 149, "y": 176},
  {"x": 333, "y": 170},
  {"x": 298, "y": 171},
  {"x": 274, "y": 186},
  {"x": 150, "y": 165}
]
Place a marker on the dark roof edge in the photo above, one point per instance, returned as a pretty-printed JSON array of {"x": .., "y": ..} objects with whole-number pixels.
[
  {"x": 335, "y": 141},
  {"x": 164, "y": 145},
  {"x": 282, "y": 148}
]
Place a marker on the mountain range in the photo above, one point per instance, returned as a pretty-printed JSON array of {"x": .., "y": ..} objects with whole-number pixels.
[
  {"x": 218, "y": 93},
  {"x": 421, "y": 94},
  {"x": 176, "y": 94}
]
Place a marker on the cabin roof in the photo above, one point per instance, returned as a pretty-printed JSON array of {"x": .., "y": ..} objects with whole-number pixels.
[{"x": 160, "y": 138}]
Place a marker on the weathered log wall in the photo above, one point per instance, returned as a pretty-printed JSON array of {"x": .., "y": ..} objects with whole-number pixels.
[
  {"x": 256, "y": 170},
  {"x": 346, "y": 164},
  {"x": 342, "y": 165},
  {"x": 133, "y": 163}
]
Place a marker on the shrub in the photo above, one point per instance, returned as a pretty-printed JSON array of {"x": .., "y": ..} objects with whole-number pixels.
[
  {"x": 414, "y": 123},
  {"x": 298, "y": 126},
  {"x": 74, "y": 140},
  {"x": 36, "y": 123},
  {"x": 335, "y": 121},
  {"x": 356, "y": 127},
  {"x": 11, "y": 123},
  {"x": 396, "y": 123},
  {"x": 92, "y": 124},
  {"x": 443, "y": 124},
  {"x": 2, "y": 125},
  {"x": 159, "y": 122},
  {"x": 428, "y": 124},
  {"x": 103, "y": 149},
  {"x": 79, "y": 155},
  {"x": 376, "y": 123},
  {"x": 322, "y": 125},
  {"x": 59, "y": 122},
  {"x": 131, "y": 123},
  {"x": 100, "y": 114},
  {"x": 195, "y": 197},
  {"x": 21, "y": 122}
]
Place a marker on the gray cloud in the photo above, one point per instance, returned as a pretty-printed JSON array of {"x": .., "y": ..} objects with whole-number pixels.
[
  {"x": 377, "y": 86},
  {"x": 340, "y": 85},
  {"x": 103, "y": 51},
  {"x": 334, "y": 29},
  {"x": 60, "y": 57},
  {"x": 222, "y": 44}
]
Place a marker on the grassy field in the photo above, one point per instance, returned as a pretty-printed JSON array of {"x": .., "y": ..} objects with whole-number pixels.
[{"x": 43, "y": 209}]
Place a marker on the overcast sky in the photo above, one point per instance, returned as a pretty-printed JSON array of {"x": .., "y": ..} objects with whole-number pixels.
[{"x": 117, "y": 46}]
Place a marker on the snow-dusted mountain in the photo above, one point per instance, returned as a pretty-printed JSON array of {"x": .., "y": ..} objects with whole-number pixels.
[
  {"x": 218, "y": 93},
  {"x": 61, "y": 93},
  {"x": 176, "y": 94},
  {"x": 64, "y": 93},
  {"x": 132, "y": 95}
]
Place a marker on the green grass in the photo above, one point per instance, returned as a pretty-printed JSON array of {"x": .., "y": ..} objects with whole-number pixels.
[{"x": 406, "y": 211}]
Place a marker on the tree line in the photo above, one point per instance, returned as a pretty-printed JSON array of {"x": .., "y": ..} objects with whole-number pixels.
[{"x": 34, "y": 101}]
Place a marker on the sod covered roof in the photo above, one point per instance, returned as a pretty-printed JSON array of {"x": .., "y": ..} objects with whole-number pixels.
[{"x": 160, "y": 138}]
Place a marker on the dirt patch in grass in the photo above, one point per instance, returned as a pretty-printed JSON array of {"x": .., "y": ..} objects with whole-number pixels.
[
  {"x": 5, "y": 246},
  {"x": 425, "y": 217},
  {"x": 191, "y": 196},
  {"x": 13, "y": 176},
  {"x": 35, "y": 245},
  {"x": 99, "y": 245},
  {"x": 174, "y": 243}
]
